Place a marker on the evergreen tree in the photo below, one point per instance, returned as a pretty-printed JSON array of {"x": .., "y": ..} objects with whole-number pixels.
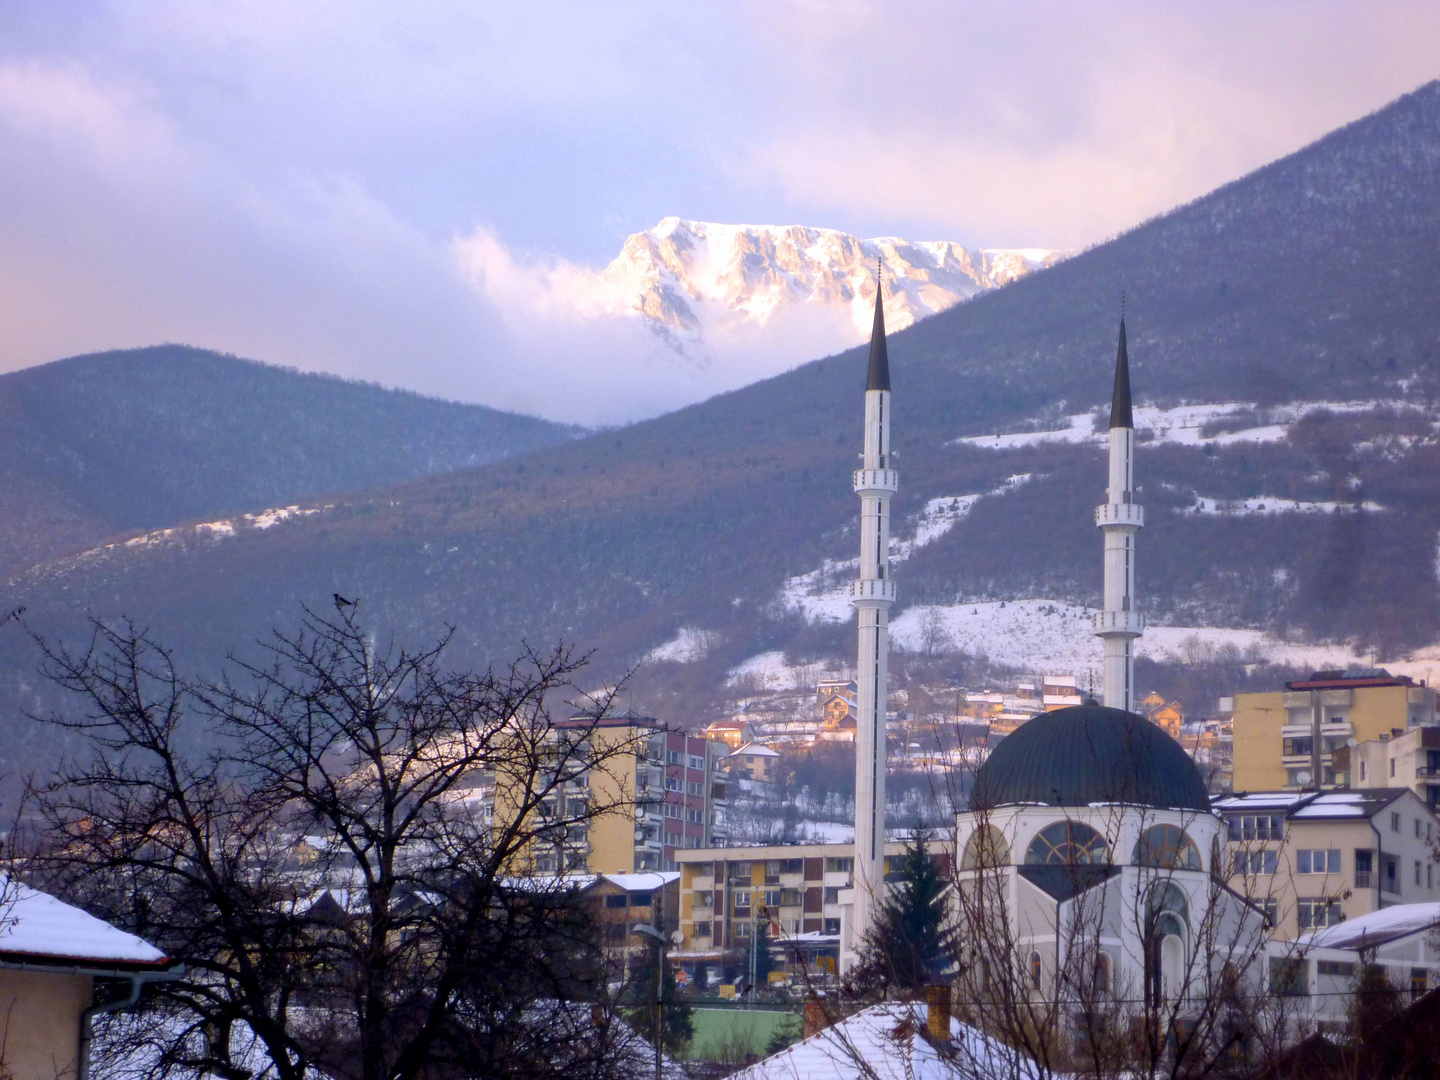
[
  {"x": 785, "y": 1034},
  {"x": 679, "y": 1021},
  {"x": 764, "y": 962},
  {"x": 912, "y": 941}
]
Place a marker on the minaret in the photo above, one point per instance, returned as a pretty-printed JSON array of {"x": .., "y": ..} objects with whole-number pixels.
[
  {"x": 1120, "y": 519},
  {"x": 872, "y": 595}
]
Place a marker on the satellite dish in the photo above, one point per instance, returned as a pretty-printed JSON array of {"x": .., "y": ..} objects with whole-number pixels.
[
  {"x": 677, "y": 938},
  {"x": 1302, "y": 777}
]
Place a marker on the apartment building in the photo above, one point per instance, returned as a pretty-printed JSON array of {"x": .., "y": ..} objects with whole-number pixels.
[
  {"x": 795, "y": 888},
  {"x": 1397, "y": 759},
  {"x": 1315, "y": 859},
  {"x": 665, "y": 797},
  {"x": 1287, "y": 739}
]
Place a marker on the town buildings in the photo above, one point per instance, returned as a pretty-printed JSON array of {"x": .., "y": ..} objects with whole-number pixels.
[
  {"x": 1396, "y": 759},
  {"x": 664, "y": 797},
  {"x": 1288, "y": 739},
  {"x": 1315, "y": 859}
]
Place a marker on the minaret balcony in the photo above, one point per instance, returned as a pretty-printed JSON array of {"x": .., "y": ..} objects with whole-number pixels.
[
  {"x": 1119, "y": 623},
  {"x": 1120, "y": 514},
  {"x": 873, "y": 590},
  {"x": 869, "y": 481}
]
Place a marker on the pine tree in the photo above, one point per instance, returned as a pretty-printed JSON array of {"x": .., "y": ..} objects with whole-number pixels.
[
  {"x": 764, "y": 962},
  {"x": 912, "y": 941},
  {"x": 679, "y": 1022}
]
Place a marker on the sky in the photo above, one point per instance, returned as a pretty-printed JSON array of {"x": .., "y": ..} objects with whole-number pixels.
[{"x": 367, "y": 188}]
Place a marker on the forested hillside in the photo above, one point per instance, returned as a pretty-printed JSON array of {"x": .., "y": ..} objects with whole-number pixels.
[
  {"x": 145, "y": 438},
  {"x": 1303, "y": 296}
]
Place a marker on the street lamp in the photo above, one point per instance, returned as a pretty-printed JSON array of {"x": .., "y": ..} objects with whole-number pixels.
[{"x": 677, "y": 937}]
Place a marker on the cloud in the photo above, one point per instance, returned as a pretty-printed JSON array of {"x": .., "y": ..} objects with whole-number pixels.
[{"x": 301, "y": 183}]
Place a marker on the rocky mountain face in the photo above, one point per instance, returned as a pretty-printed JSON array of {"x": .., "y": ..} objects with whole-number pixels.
[{"x": 691, "y": 280}]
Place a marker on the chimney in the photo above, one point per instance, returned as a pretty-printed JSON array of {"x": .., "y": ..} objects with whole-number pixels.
[
  {"x": 937, "y": 1011},
  {"x": 814, "y": 1020}
]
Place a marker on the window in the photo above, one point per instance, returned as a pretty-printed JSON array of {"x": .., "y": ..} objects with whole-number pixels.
[
  {"x": 674, "y": 757},
  {"x": 1318, "y": 913},
  {"x": 672, "y": 784},
  {"x": 1102, "y": 972},
  {"x": 696, "y": 762},
  {"x": 1288, "y": 977},
  {"x": 839, "y": 866},
  {"x": 614, "y": 901},
  {"x": 694, "y": 787},
  {"x": 1272, "y": 914},
  {"x": 1317, "y": 861},
  {"x": 1256, "y": 862},
  {"x": 640, "y": 899},
  {"x": 1417, "y": 871},
  {"x": 1067, "y": 843},
  {"x": 1035, "y": 970},
  {"x": 772, "y": 897},
  {"x": 704, "y": 899},
  {"x": 672, "y": 810},
  {"x": 742, "y": 898},
  {"x": 1256, "y": 827},
  {"x": 1394, "y": 817},
  {"x": 674, "y": 839},
  {"x": 832, "y": 894},
  {"x": 792, "y": 866},
  {"x": 1418, "y": 982},
  {"x": 1342, "y": 968},
  {"x": 1298, "y": 747},
  {"x": 702, "y": 929},
  {"x": 1392, "y": 766},
  {"x": 696, "y": 817},
  {"x": 985, "y": 848},
  {"x": 832, "y": 926},
  {"x": 1167, "y": 847},
  {"x": 1364, "y": 868},
  {"x": 1417, "y": 828},
  {"x": 1362, "y": 770}
]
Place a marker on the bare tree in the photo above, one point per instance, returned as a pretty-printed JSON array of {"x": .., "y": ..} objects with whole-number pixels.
[{"x": 308, "y": 833}]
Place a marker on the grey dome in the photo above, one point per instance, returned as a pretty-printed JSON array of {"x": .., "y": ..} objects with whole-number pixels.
[{"x": 1090, "y": 754}]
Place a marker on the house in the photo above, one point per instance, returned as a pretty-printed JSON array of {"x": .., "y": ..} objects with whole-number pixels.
[
  {"x": 838, "y": 712},
  {"x": 619, "y": 901},
  {"x": 733, "y": 733},
  {"x": 753, "y": 761},
  {"x": 1318, "y": 858},
  {"x": 60, "y": 967},
  {"x": 1169, "y": 717},
  {"x": 893, "y": 1041}
]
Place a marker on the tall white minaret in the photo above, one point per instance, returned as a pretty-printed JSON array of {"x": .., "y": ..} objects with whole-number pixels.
[
  {"x": 1120, "y": 519},
  {"x": 872, "y": 595}
]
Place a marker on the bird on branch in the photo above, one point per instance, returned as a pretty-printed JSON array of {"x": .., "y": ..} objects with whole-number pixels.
[{"x": 341, "y": 603}]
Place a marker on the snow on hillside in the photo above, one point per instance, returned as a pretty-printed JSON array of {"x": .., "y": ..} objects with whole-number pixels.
[{"x": 1230, "y": 422}]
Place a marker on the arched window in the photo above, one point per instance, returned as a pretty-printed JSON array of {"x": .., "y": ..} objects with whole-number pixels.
[
  {"x": 1168, "y": 848},
  {"x": 1102, "y": 972},
  {"x": 1067, "y": 843},
  {"x": 986, "y": 848},
  {"x": 1035, "y": 970}
]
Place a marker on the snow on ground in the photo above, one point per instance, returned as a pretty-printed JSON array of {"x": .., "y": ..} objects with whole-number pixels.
[
  {"x": 687, "y": 646},
  {"x": 225, "y": 527},
  {"x": 1268, "y": 504},
  {"x": 1029, "y": 633},
  {"x": 823, "y": 595},
  {"x": 1182, "y": 424}
]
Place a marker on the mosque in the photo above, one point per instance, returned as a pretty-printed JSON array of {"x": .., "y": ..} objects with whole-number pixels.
[{"x": 1089, "y": 856}]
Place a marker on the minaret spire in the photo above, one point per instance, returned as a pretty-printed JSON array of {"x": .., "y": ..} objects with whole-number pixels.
[
  {"x": 872, "y": 594},
  {"x": 1120, "y": 518}
]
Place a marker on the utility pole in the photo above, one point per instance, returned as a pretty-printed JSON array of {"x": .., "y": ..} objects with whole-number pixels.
[{"x": 650, "y": 931}]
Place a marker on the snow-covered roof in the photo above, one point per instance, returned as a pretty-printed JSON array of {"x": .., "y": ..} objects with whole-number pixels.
[
  {"x": 38, "y": 927},
  {"x": 755, "y": 749},
  {"x": 642, "y": 882},
  {"x": 1376, "y": 928},
  {"x": 884, "y": 1042}
]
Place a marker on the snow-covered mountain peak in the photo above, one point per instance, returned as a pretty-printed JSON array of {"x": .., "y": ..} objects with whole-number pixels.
[{"x": 692, "y": 278}]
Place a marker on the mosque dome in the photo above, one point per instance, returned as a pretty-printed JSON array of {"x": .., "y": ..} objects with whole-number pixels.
[{"x": 1090, "y": 754}]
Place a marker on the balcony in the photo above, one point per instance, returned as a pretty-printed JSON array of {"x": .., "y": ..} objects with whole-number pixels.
[
  {"x": 1364, "y": 879},
  {"x": 875, "y": 480},
  {"x": 1425, "y": 772},
  {"x": 1129, "y": 623},
  {"x": 1120, "y": 514},
  {"x": 880, "y": 589}
]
